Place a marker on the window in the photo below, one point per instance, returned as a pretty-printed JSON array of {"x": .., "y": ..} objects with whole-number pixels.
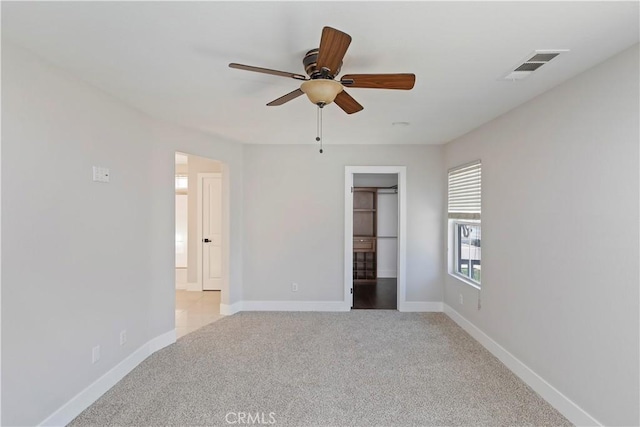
[
  {"x": 467, "y": 256},
  {"x": 464, "y": 206}
]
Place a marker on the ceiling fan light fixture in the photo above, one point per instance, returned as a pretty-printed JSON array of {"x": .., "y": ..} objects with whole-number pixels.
[{"x": 321, "y": 91}]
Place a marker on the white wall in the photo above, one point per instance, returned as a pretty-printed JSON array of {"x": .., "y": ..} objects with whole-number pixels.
[
  {"x": 387, "y": 240},
  {"x": 560, "y": 236},
  {"x": 375, "y": 179},
  {"x": 294, "y": 219},
  {"x": 67, "y": 240}
]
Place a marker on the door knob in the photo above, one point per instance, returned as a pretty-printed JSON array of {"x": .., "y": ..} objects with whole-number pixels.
[{"x": 206, "y": 240}]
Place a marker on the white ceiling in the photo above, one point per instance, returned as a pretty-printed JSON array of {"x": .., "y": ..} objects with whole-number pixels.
[{"x": 170, "y": 59}]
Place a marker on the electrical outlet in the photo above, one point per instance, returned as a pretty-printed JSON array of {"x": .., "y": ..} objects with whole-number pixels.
[
  {"x": 123, "y": 337},
  {"x": 294, "y": 287},
  {"x": 95, "y": 354},
  {"x": 461, "y": 299}
]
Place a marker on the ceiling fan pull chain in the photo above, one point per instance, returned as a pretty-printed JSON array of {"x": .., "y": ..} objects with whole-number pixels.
[
  {"x": 319, "y": 127},
  {"x": 318, "y": 124}
]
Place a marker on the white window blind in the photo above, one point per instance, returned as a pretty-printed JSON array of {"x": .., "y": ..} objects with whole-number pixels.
[{"x": 465, "y": 191}]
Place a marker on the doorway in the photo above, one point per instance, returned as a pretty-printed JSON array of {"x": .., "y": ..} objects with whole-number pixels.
[
  {"x": 375, "y": 235},
  {"x": 201, "y": 244},
  {"x": 375, "y": 242}
]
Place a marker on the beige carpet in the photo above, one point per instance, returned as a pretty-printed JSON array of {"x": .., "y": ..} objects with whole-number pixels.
[{"x": 361, "y": 368}]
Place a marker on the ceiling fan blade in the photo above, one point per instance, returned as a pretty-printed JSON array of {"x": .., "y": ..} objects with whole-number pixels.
[
  {"x": 333, "y": 46},
  {"x": 380, "y": 81},
  {"x": 286, "y": 98},
  {"x": 267, "y": 71},
  {"x": 347, "y": 103}
]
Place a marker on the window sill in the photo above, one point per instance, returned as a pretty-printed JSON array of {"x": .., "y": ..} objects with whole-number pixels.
[{"x": 465, "y": 281}]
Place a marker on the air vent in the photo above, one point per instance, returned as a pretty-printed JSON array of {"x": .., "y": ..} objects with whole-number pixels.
[
  {"x": 543, "y": 57},
  {"x": 529, "y": 66},
  {"x": 535, "y": 60}
]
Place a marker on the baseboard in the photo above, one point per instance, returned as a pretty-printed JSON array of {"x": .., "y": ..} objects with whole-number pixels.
[
  {"x": 161, "y": 341},
  {"x": 420, "y": 306},
  {"x": 181, "y": 286},
  {"x": 387, "y": 274},
  {"x": 193, "y": 287},
  {"x": 562, "y": 403},
  {"x": 67, "y": 412},
  {"x": 409, "y": 306},
  {"x": 229, "y": 309},
  {"x": 295, "y": 306}
]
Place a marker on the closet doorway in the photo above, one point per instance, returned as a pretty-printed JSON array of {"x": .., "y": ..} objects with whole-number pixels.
[
  {"x": 373, "y": 237},
  {"x": 375, "y": 241}
]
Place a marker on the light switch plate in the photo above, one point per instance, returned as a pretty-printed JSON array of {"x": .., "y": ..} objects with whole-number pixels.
[{"x": 100, "y": 174}]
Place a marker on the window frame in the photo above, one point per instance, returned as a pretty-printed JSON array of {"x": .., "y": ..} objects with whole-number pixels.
[
  {"x": 455, "y": 234},
  {"x": 469, "y": 213}
]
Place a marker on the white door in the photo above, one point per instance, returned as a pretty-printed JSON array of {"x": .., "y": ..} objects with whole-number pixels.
[{"x": 211, "y": 233}]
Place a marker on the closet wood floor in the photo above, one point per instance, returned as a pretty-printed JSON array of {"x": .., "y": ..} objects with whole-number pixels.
[{"x": 381, "y": 295}]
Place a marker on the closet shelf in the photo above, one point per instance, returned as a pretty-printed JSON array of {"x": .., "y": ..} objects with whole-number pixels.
[{"x": 365, "y": 203}]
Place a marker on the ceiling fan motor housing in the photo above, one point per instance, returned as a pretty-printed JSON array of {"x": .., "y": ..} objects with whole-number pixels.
[{"x": 310, "y": 62}]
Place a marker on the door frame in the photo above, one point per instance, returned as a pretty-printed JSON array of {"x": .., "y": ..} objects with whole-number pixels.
[
  {"x": 199, "y": 260},
  {"x": 401, "y": 171}
]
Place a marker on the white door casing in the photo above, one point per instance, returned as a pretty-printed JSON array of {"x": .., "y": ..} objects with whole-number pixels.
[{"x": 210, "y": 274}]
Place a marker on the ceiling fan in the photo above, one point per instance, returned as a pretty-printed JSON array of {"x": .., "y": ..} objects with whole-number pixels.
[{"x": 322, "y": 65}]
